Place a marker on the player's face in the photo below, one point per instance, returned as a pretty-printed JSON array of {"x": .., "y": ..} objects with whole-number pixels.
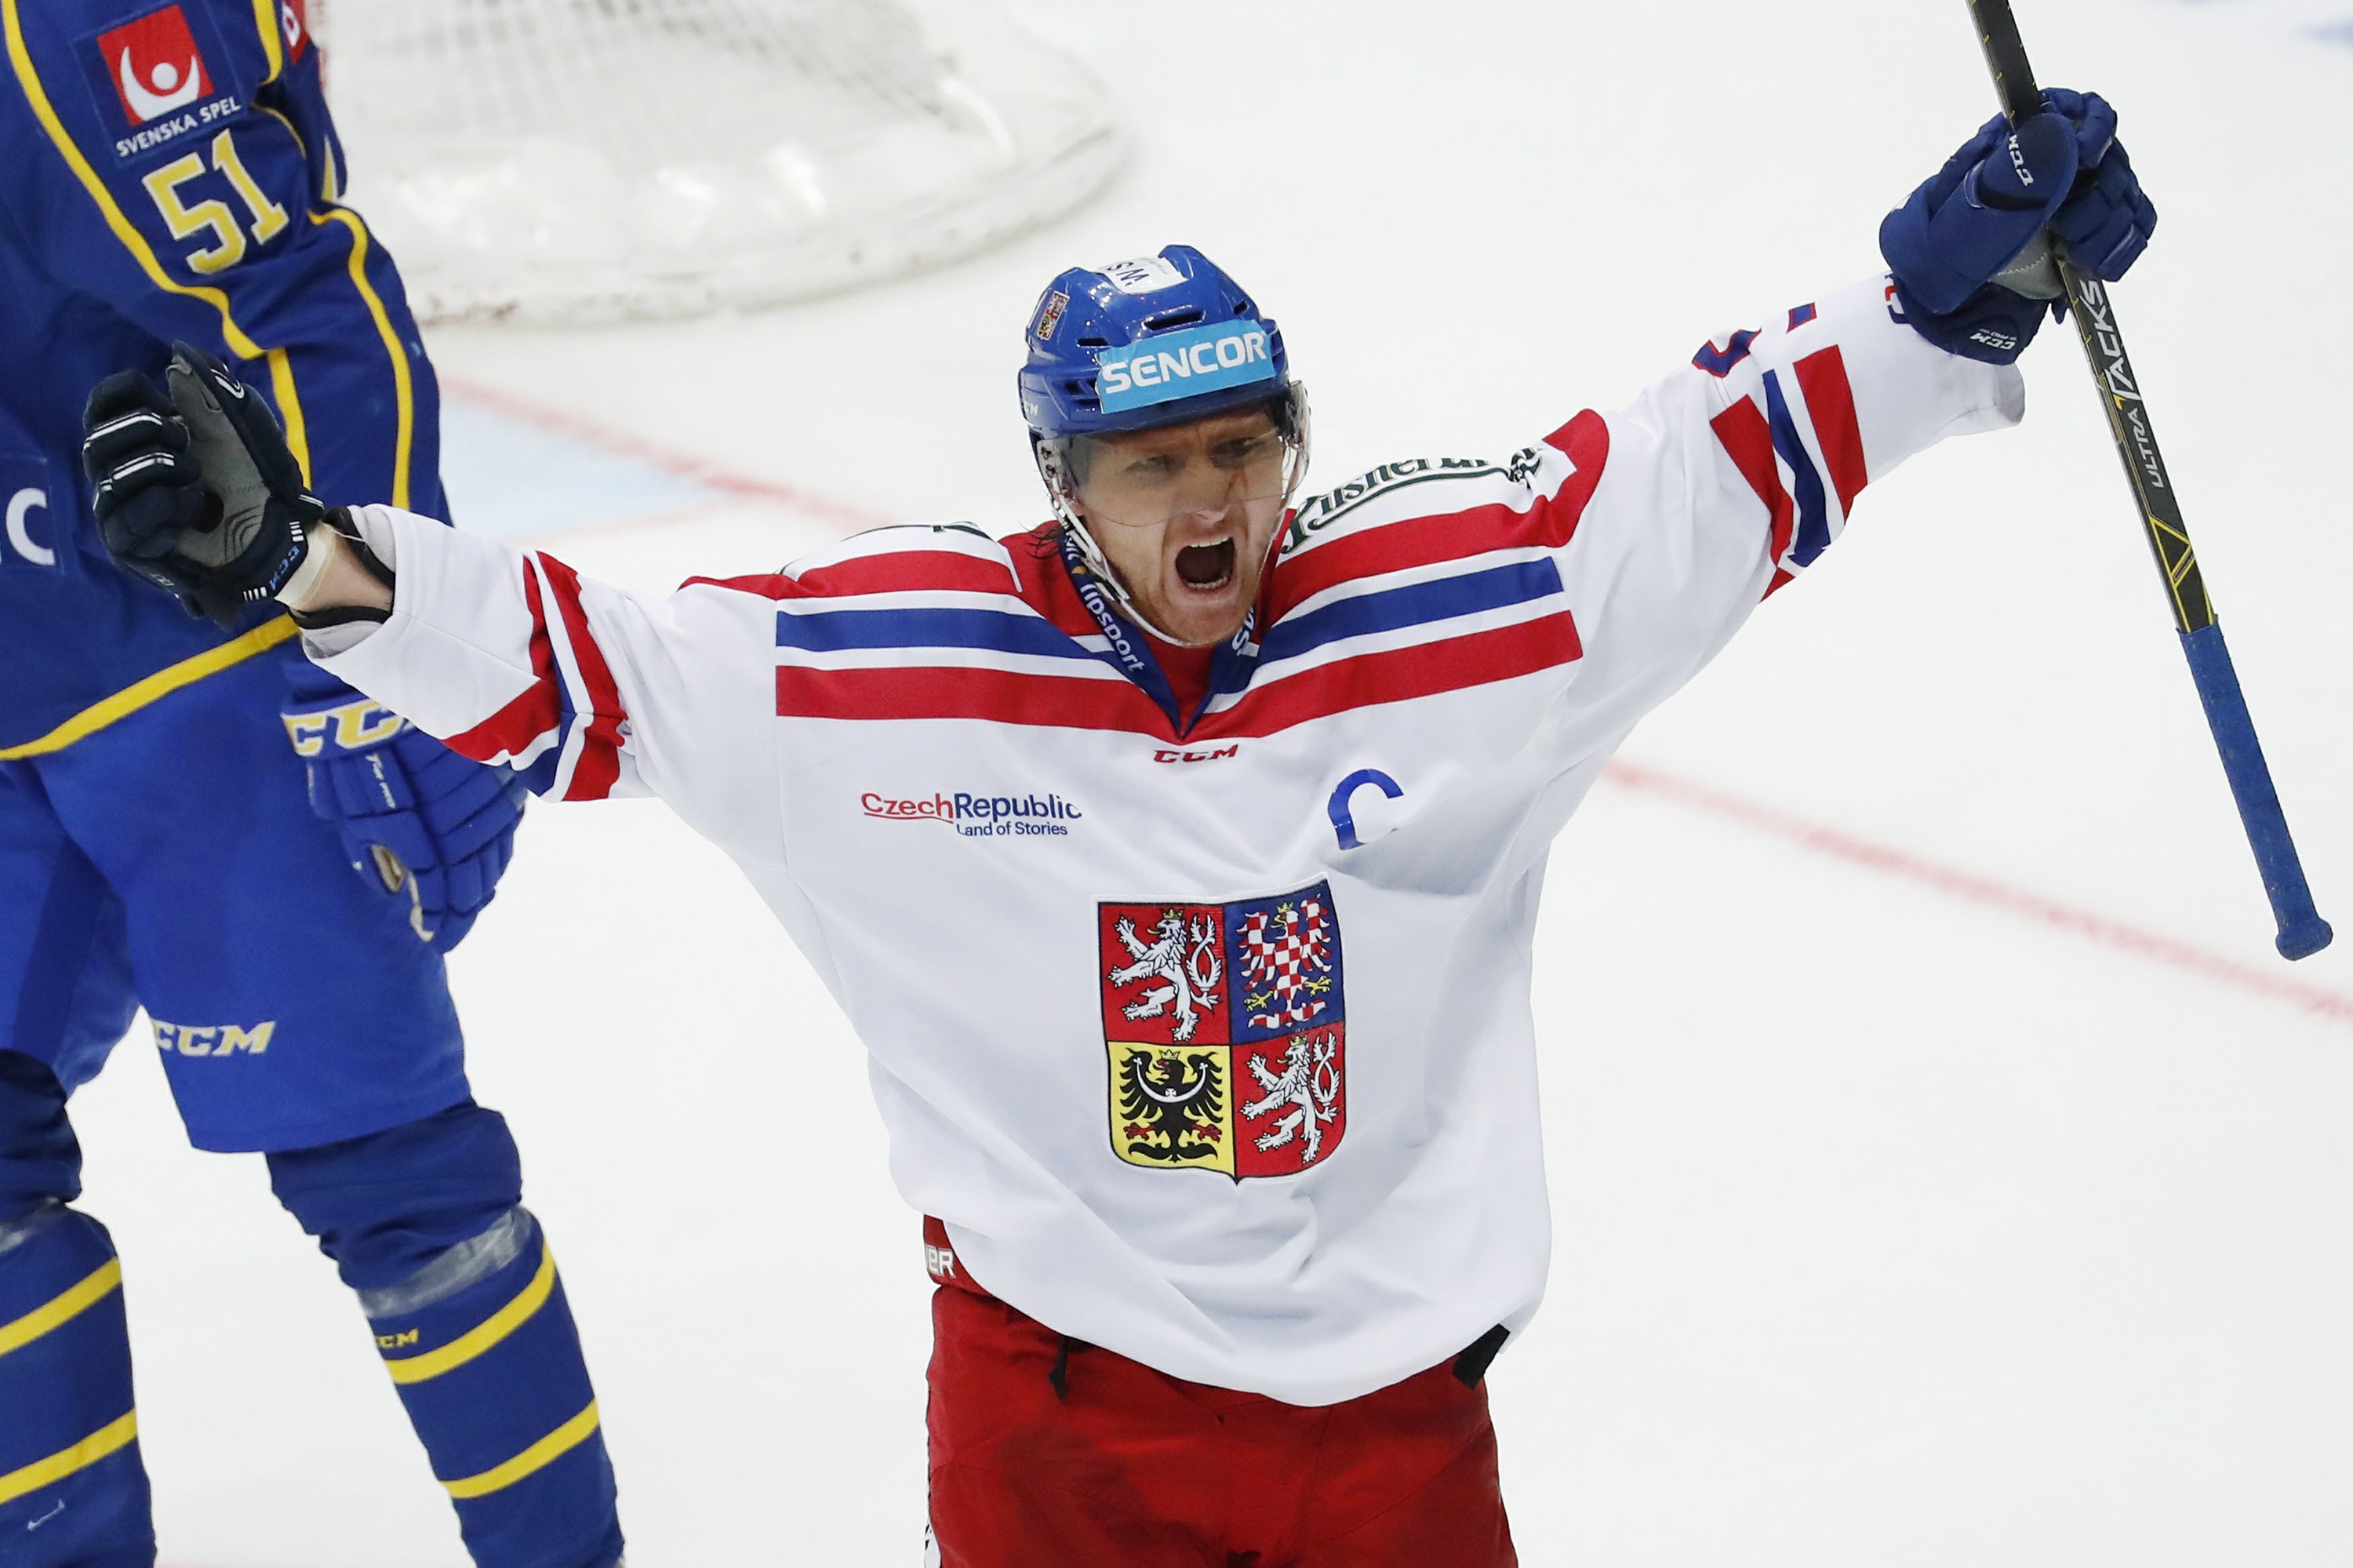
[{"x": 1185, "y": 514}]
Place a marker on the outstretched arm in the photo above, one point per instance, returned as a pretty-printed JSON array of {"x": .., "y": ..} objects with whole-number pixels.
[{"x": 512, "y": 659}]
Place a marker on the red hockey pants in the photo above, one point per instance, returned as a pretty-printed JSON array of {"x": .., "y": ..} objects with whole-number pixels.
[{"x": 1047, "y": 1453}]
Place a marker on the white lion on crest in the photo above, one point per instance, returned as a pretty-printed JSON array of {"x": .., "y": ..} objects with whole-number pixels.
[
  {"x": 1309, "y": 1083},
  {"x": 1185, "y": 957}
]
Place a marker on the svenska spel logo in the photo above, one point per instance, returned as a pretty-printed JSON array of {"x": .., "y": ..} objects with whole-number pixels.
[
  {"x": 160, "y": 70},
  {"x": 155, "y": 65}
]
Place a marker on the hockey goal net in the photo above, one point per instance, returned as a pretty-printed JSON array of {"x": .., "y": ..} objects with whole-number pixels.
[{"x": 570, "y": 160}]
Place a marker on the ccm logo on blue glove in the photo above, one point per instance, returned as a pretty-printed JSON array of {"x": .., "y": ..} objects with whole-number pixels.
[
  {"x": 417, "y": 820},
  {"x": 1970, "y": 250},
  {"x": 351, "y": 726}
]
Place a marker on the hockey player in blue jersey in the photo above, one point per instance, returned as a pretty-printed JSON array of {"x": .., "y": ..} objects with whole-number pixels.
[{"x": 174, "y": 175}]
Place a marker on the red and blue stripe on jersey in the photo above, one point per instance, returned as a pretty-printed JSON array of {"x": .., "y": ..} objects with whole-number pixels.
[
  {"x": 565, "y": 729},
  {"x": 1762, "y": 442},
  {"x": 921, "y": 623},
  {"x": 1428, "y": 603}
]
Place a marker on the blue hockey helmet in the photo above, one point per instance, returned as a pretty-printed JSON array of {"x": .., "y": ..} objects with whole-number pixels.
[
  {"x": 1136, "y": 345},
  {"x": 1157, "y": 341}
]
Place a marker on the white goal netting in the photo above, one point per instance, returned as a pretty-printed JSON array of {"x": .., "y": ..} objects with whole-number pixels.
[{"x": 571, "y": 160}]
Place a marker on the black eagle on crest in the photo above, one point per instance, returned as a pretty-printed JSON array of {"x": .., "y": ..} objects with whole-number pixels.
[{"x": 1173, "y": 1104}]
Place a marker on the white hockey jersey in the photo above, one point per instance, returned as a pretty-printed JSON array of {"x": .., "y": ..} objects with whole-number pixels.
[{"x": 1210, "y": 1043}]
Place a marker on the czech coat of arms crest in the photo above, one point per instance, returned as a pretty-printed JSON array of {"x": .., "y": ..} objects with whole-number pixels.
[{"x": 1227, "y": 1025}]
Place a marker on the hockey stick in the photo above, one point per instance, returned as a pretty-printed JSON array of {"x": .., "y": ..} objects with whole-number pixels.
[{"x": 2302, "y": 931}]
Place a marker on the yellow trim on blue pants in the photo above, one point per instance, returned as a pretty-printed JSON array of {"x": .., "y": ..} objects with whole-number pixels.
[
  {"x": 63, "y": 1307},
  {"x": 483, "y": 1335},
  {"x": 538, "y": 1457}
]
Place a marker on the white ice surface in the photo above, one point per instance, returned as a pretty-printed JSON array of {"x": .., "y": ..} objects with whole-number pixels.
[{"x": 1892, "y": 1227}]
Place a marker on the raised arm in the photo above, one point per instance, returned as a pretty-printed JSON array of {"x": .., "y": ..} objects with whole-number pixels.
[{"x": 1727, "y": 480}]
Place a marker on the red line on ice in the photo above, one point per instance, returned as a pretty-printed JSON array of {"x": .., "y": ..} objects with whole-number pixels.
[
  {"x": 1972, "y": 888},
  {"x": 685, "y": 465}
]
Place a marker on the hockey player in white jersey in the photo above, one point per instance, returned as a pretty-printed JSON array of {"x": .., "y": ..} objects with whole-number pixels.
[{"x": 1177, "y": 862}]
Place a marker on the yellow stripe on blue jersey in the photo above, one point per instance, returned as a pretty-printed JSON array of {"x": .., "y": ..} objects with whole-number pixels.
[
  {"x": 403, "y": 392},
  {"x": 159, "y": 685},
  {"x": 326, "y": 165},
  {"x": 273, "y": 44}
]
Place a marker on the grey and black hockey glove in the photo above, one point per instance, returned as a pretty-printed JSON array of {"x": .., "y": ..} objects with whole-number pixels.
[{"x": 196, "y": 492}]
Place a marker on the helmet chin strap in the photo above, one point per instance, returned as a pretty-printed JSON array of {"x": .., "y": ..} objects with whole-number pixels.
[{"x": 1115, "y": 587}]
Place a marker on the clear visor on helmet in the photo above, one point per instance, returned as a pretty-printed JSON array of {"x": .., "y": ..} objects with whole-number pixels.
[{"x": 1142, "y": 479}]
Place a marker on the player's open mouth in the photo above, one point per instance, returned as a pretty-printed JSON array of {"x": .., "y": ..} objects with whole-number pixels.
[{"x": 1207, "y": 567}]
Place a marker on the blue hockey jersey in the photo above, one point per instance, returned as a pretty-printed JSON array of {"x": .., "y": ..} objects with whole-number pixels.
[{"x": 172, "y": 172}]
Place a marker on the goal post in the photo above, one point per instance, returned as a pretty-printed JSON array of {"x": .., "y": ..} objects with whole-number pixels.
[{"x": 583, "y": 160}]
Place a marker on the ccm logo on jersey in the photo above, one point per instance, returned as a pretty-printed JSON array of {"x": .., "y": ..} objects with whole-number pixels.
[
  {"x": 353, "y": 727},
  {"x": 1219, "y": 755},
  {"x": 1182, "y": 364},
  {"x": 155, "y": 72},
  {"x": 214, "y": 1039}
]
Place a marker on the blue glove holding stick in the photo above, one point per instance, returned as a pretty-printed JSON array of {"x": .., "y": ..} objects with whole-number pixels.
[{"x": 1970, "y": 249}]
